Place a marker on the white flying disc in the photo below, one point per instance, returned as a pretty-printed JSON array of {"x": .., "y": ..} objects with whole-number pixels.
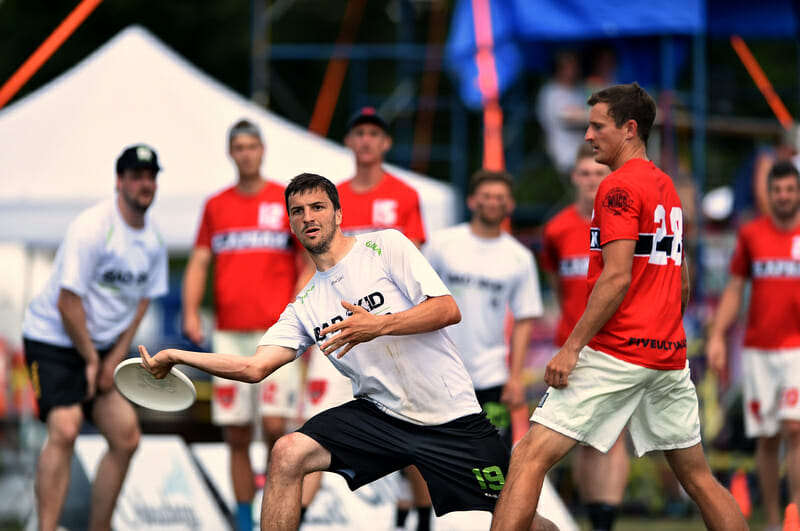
[{"x": 175, "y": 392}]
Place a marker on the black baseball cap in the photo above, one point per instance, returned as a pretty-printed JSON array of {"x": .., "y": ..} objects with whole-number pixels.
[
  {"x": 367, "y": 115},
  {"x": 137, "y": 156}
]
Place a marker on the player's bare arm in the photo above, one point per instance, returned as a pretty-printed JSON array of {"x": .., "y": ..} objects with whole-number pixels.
[
  {"x": 685, "y": 285},
  {"x": 607, "y": 295},
  {"x": 251, "y": 369},
  {"x": 194, "y": 286},
  {"x": 727, "y": 310},
  {"x": 73, "y": 315},
  {"x": 105, "y": 378},
  {"x": 514, "y": 390},
  {"x": 431, "y": 314}
]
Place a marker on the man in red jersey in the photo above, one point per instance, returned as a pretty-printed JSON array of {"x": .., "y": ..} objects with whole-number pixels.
[
  {"x": 768, "y": 253},
  {"x": 245, "y": 232},
  {"x": 600, "y": 477},
  {"x": 374, "y": 199},
  {"x": 624, "y": 363}
]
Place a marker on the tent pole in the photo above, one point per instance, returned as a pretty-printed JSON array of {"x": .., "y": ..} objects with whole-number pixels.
[{"x": 46, "y": 49}]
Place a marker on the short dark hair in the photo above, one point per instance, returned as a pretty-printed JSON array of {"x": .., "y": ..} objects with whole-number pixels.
[
  {"x": 484, "y": 176},
  {"x": 782, "y": 169},
  {"x": 628, "y": 102},
  {"x": 311, "y": 181}
]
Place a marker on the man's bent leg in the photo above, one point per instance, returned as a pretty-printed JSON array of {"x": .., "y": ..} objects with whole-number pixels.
[
  {"x": 116, "y": 419},
  {"x": 55, "y": 460},
  {"x": 536, "y": 453},
  {"x": 717, "y": 506},
  {"x": 768, "y": 467},
  {"x": 293, "y": 456}
]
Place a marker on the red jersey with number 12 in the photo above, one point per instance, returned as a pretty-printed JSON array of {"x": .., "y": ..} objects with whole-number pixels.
[
  {"x": 566, "y": 253},
  {"x": 771, "y": 259},
  {"x": 392, "y": 204},
  {"x": 639, "y": 202}
]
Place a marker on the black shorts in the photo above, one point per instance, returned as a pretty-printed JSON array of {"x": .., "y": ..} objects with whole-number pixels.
[
  {"x": 464, "y": 462},
  {"x": 496, "y": 411},
  {"x": 58, "y": 376}
]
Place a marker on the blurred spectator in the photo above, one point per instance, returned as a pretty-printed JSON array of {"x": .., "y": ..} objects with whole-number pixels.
[
  {"x": 750, "y": 198},
  {"x": 768, "y": 253},
  {"x": 602, "y": 69},
  {"x": 112, "y": 262},
  {"x": 245, "y": 232},
  {"x": 562, "y": 112}
]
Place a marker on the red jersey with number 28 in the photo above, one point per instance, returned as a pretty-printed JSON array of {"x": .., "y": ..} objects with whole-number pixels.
[
  {"x": 639, "y": 202},
  {"x": 771, "y": 259},
  {"x": 255, "y": 268},
  {"x": 392, "y": 204},
  {"x": 566, "y": 253}
]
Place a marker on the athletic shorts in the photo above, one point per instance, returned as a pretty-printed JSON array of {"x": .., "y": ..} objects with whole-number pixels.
[
  {"x": 58, "y": 376},
  {"x": 325, "y": 386},
  {"x": 463, "y": 461},
  {"x": 604, "y": 394},
  {"x": 239, "y": 403},
  {"x": 771, "y": 384},
  {"x": 496, "y": 411}
]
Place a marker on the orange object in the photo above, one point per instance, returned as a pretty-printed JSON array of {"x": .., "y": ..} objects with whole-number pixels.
[
  {"x": 46, "y": 49},
  {"x": 791, "y": 519},
  {"x": 741, "y": 493},
  {"x": 336, "y": 70},
  {"x": 488, "y": 85},
  {"x": 762, "y": 82}
]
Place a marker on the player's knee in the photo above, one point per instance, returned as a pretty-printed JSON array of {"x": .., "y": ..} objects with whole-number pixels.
[
  {"x": 791, "y": 431},
  {"x": 63, "y": 434},
  {"x": 287, "y": 456},
  {"x": 239, "y": 437},
  {"x": 125, "y": 441}
]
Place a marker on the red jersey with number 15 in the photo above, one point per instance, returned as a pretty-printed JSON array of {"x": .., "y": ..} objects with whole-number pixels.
[
  {"x": 392, "y": 204},
  {"x": 255, "y": 267},
  {"x": 639, "y": 202},
  {"x": 770, "y": 257}
]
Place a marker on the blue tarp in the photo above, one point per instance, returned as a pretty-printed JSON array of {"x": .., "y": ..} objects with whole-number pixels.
[{"x": 527, "y": 32}]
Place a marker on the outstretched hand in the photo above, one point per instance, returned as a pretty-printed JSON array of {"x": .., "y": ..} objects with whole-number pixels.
[
  {"x": 360, "y": 327},
  {"x": 158, "y": 365}
]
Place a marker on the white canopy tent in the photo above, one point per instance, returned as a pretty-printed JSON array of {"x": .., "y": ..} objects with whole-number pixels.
[{"x": 60, "y": 143}]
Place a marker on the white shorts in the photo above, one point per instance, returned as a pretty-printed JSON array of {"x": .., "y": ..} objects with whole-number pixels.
[
  {"x": 604, "y": 394},
  {"x": 325, "y": 386},
  {"x": 770, "y": 382},
  {"x": 237, "y": 403}
]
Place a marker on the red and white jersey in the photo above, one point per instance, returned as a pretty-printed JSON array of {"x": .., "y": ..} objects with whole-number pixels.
[
  {"x": 639, "y": 202},
  {"x": 255, "y": 267},
  {"x": 392, "y": 204},
  {"x": 566, "y": 253},
  {"x": 770, "y": 257}
]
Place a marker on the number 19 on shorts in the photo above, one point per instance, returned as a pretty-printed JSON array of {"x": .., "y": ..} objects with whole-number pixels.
[{"x": 490, "y": 478}]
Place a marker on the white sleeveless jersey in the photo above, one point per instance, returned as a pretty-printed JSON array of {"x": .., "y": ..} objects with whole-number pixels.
[
  {"x": 419, "y": 378},
  {"x": 486, "y": 276},
  {"x": 111, "y": 266}
]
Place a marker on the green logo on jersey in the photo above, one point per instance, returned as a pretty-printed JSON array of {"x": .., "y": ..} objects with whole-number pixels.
[
  {"x": 374, "y": 246},
  {"x": 305, "y": 294}
]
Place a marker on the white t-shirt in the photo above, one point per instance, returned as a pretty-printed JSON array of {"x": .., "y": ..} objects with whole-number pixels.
[
  {"x": 111, "y": 266},
  {"x": 486, "y": 276},
  {"x": 563, "y": 139},
  {"x": 419, "y": 377}
]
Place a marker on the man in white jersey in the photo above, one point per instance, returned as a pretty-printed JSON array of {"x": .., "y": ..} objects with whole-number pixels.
[
  {"x": 488, "y": 272},
  {"x": 111, "y": 263},
  {"x": 377, "y": 309}
]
